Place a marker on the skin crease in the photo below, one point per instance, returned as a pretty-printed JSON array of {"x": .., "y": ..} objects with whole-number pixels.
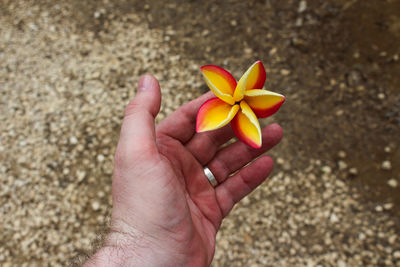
[{"x": 165, "y": 212}]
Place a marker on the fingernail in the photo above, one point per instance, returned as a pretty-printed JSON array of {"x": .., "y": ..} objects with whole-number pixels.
[{"x": 145, "y": 82}]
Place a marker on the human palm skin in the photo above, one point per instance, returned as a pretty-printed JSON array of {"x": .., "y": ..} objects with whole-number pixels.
[{"x": 165, "y": 212}]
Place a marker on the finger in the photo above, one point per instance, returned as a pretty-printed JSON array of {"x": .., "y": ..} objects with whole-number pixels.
[
  {"x": 241, "y": 184},
  {"x": 235, "y": 156},
  {"x": 203, "y": 146},
  {"x": 137, "y": 131},
  {"x": 181, "y": 124}
]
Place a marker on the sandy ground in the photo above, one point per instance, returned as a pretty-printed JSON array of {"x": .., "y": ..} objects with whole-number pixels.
[{"x": 68, "y": 69}]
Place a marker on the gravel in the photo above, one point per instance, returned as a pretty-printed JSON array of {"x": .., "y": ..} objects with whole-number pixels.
[
  {"x": 62, "y": 101},
  {"x": 63, "y": 90},
  {"x": 307, "y": 218}
]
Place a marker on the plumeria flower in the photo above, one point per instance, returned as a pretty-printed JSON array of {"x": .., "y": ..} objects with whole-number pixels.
[{"x": 240, "y": 103}]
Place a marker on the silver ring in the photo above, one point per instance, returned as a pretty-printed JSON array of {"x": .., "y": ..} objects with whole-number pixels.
[{"x": 210, "y": 176}]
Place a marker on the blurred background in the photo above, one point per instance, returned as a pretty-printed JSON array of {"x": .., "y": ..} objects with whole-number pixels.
[{"x": 68, "y": 68}]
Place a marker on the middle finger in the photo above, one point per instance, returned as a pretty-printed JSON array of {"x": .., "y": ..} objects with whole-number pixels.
[
  {"x": 204, "y": 145},
  {"x": 235, "y": 156}
]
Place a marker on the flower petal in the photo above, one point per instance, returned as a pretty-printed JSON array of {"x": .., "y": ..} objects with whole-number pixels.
[
  {"x": 257, "y": 76},
  {"x": 220, "y": 81},
  {"x": 246, "y": 126},
  {"x": 214, "y": 114},
  {"x": 264, "y": 103},
  {"x": 253, "y": 78}
]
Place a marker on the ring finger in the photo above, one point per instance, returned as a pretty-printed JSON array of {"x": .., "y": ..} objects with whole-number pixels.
[{"x": 233, "y": 157}]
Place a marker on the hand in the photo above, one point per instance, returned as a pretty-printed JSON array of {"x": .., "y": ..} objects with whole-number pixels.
[{"x": 165, "y": 212}]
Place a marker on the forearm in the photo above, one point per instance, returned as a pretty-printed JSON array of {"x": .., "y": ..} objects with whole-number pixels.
[
  {"x": 143, "y": 255},
  {"x": 114, "y": 256},
  {"x": 123, "y": 246},
  {"x": 131, "y": 248}
]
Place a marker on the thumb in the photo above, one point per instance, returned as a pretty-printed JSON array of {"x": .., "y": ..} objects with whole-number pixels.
[{"x": 138, "y": 129}]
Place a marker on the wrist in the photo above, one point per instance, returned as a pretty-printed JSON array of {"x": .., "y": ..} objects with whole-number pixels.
[
  {"x": 125, "y": 246},
  {"x": 111, "y": 256}
]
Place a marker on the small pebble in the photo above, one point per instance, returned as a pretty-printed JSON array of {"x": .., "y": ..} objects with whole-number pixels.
[
  {"x": 369, "y": 232},
  {"x": 273, "y": 51},
  {"x": 339, "y": 112},
  {"x": 342, "y": 165},
  {"x": 80, "y": 175},
  {"x": 353, "y": 171},
  {"x": 392, "y": 183},
  {"x": 100, "y": 158},
  {"x": 334, "y": 218},
  {"x": 205, "y": 32},
  {"x": 95, "y": 205},
  {"x": 96, "y": 14},
  {"x": 392, "y": 239},
  {"x": 360, "y": 88},
  {"x": 302, "y": 6},
  {"x": 73, "y": 140},
  {"x": 341, "y": 263},
  {"x": 285, "y": 72},
  {"x": 342, "y": 154},
  {"x": 280, "y": 161},
  {"x": 361, "y": 236},
  {"x": 326, "y": 169},
  {"x": 386, "y": 165},
  {"x": 248, "y": 50},
  {"x": 378, "y": 208},
  {"x": 388, "y": 206}
]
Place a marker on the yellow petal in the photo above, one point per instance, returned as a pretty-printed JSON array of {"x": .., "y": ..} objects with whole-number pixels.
[
  {"x": 264, "y": 103},
  {"x": 253, "y": 78},
  {"x": 246, "y": 126},
  {"x": 214, "y": 114},
  {"x": 220, "y": 82}
]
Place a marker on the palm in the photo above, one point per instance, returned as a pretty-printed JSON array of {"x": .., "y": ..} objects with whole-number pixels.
[
  {"x": 166, "y": 193},
  {"x": 198, "y": 214}
]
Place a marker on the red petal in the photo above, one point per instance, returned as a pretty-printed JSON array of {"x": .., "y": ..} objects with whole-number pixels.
[
  {"x": 257, "y": 77},
  {"x": 246, "y": 126},
  {"x": 220, "y": 81},
  {"x": 253, "y": 78},
  {"x": 214, "y": 114},
  {"x": 264, "y": 103}
]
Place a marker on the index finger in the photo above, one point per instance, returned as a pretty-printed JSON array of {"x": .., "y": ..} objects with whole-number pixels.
[{"x": 181, "y": 123}]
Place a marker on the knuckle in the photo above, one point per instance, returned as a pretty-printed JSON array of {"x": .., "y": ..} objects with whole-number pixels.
[
  {"x": 121, "y": 158},
  {"x": 132, "y": 108}
]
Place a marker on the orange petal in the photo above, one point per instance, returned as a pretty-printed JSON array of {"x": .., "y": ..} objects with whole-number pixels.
[
  {"x": 253, "y": 78},
  {"x": 246, "y": 126},
  {"x": 220, "y": 82},
  {"x": 264, "y": 103},
  {"x": 214, "y": 114}
]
